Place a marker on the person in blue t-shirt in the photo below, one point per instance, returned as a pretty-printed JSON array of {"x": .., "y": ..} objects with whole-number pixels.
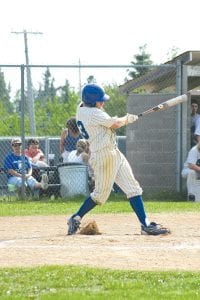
[
  {"x": 69, "y": 138},
  {"x": 13, "y": 168}
]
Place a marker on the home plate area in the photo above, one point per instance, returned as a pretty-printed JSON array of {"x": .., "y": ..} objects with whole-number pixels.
[{"x": 42, "y": 240}]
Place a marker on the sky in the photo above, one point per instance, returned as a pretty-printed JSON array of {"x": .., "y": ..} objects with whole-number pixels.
[{"x": 95, "y": 32}]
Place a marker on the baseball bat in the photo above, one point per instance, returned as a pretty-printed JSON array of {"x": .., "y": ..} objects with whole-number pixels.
[{"x": 165, "y": 105}]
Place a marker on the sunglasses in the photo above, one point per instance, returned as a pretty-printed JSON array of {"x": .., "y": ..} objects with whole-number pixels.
[{"x": 17, "y": 145}]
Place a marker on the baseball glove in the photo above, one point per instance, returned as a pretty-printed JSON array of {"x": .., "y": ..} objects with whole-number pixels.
[{"x": 90, "y": 229}]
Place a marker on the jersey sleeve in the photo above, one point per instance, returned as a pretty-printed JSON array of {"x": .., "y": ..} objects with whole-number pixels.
[
  {"x": 8, "y": 163},
  {"x": 192, "y": 156},
  {"x": 102, "y": 118}
]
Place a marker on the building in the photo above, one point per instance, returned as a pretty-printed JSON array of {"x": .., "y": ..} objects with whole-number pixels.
[{"x": 157, "y": 145}]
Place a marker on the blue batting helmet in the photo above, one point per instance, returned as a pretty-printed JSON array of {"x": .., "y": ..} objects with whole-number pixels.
[{"x": 93, "y": 93}]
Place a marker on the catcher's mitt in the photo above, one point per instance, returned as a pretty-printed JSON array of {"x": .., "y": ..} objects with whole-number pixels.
[{"x": 90, "y": 229}]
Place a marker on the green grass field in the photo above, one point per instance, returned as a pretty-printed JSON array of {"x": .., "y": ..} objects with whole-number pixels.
[
  {"x": 63, "y": 282},
  {"x": 67, "y": 282},
  {"x": 115, "y": 204}
]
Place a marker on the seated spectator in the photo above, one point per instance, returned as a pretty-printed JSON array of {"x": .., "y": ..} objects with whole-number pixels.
[
  {"x": 82, "y": 155},
  {"x": 79, "y": 155},
  {"x": 69, "y": 137},
  {"x": 35, "y": 154},
  {"x": 191, "y": 169},
  {"x": 13, "y": 167}
]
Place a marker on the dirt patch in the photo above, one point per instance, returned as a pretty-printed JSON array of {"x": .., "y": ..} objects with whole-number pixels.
[{"x": 42, "y": 240}]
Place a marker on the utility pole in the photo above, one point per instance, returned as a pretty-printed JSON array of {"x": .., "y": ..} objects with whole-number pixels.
[
  {"x": 31, "y": 108},
  {"x": 80, "y": 84}
]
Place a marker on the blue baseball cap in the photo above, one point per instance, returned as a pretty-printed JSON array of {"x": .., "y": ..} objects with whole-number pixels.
[{"x": 93, "y": 93}]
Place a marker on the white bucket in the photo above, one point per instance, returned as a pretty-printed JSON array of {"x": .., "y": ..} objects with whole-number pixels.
[{"x": 73, "y": 180}]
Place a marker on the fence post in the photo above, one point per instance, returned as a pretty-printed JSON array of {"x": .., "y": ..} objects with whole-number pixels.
[
  {"x": 23, "y": 130},
  {"x": 178, "y": 126}
]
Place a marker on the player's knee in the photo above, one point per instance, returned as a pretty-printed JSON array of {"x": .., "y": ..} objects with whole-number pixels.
[
  {"x": 99, "y": 199},
  {"x": 134, "y": 192}
]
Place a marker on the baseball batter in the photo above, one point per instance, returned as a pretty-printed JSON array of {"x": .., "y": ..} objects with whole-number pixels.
[{"x": 108, "y": 163}]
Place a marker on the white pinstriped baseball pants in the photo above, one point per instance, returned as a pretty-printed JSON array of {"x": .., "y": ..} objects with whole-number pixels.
[{"x": 110, "y": 166}]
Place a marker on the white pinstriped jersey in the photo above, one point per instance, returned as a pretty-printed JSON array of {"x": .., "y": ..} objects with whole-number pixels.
[
  {"x": 108, "y": 163},
  {"x": 96, "y": 123}
]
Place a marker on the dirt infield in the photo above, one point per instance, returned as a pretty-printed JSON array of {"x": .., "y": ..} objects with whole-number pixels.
[{"x": 42, "y": 240}]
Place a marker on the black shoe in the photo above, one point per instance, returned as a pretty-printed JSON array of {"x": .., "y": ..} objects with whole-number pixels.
[
  {"x": 191, "y": 197},
  {"x": 154, "y": 229},
  {"x": 73, "y": 224}
]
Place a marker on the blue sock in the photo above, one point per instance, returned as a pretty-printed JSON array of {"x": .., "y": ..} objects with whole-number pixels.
[
  {"x": 138, "y": 207},
  {"x": 88, "y": 205}
]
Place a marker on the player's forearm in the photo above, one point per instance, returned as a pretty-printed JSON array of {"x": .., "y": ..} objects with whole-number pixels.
[
  {"x": 119, "y": 122},
  {"x": 194, "y": 167},
  {"x": 128, "y": 119}
]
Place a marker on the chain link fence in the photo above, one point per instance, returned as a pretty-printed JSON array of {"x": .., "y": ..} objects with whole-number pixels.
[{"x": 37, "y": 104}]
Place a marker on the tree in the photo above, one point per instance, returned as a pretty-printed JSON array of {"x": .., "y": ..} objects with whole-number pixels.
[
  {"x": 116, "y": 106},
  {"x": 5, "y": 94},
  {"x": 172, "y": 53},
  {"x": 91, "y": 79},
  {"x": 51, "y": 118},
  {"x": 17, "y": 101},
  {"x": 47, "y": 89},
  {"x": 64, "y": 92},
  {"x": 142, "y": 58},
  {"x": 10, "y": 124}
]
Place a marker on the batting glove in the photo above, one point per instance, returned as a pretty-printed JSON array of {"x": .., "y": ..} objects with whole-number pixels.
[{"x": 131, "y": 118}]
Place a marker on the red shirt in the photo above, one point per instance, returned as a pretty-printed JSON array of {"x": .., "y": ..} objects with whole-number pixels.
[{"x": 32, "y": 154}]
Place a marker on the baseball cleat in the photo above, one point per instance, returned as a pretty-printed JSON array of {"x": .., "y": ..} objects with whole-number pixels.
[
  {"x": 154, "y": 229},
  {"x": 73, "y": 224}
]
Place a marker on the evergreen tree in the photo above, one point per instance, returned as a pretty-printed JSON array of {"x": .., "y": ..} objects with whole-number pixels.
[
  {"x": 64, "y": 92},
  {"x": 51, "y": 118},
  {"x": 91, "y": 79},
  {"x": 140, "y": 59},
  {"x": 5, "y": 94},
  {"x": 17, "y": 102},
  {"x": 47, "y": 89},
  {"x": 116, "y": 106}
]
